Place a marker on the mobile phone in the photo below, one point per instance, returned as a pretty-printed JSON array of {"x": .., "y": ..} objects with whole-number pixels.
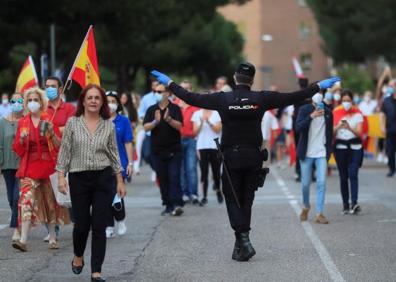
[{"x": 320, "y": 106}]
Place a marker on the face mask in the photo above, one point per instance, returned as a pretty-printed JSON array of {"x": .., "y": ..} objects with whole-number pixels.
[
  {"x": 366, "y": 99},
  {"x": 113, "y": 107},
  {"x": 356, "y": 99},
  {"x": 328, "y": 96},
  {"x": 16, "y": 108},
  {"x": 4, "y": 101},
  {"x": 158, "y": 97},
  {"x": 52, "y": 93},
  {"x": 347, "y": 105},
  {"x": 337, "y": 97},
  {"x": 33, "y": 106},
  {"x": 389, "y": 91},
  {"x": 317, "y": 98}
]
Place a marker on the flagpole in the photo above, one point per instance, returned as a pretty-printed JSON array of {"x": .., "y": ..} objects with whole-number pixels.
[{"x": 74, "y": 63}]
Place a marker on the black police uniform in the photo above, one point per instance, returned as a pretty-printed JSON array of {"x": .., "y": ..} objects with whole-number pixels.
[{"x": 241, "y": 113}]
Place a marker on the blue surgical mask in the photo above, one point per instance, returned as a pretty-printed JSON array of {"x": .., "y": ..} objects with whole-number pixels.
[
  {"x": 389, "y": 91},
  {"x": 328, "y": 96},
  {"x": 16, "y": 107},
  {"x": 356, "y": 100},
  {"x": 158, "y": 97},
  {"x": 52, "y": 93}
]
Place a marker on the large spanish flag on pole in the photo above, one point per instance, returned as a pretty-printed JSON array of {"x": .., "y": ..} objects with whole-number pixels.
[
  {"x": 85, "y": 69},
  {"x": 27, "y": 77}
]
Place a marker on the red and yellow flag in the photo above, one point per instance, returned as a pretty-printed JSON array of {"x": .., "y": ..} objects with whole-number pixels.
[
  {"x": 85, "y": 69},
  {"x": 27, "y": 77}
]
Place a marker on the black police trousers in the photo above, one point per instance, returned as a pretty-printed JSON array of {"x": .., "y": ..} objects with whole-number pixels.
[{"x": 243, "y": 168}]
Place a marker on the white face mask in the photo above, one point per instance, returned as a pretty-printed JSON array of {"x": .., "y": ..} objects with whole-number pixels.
[
  {"x": 113, "y": 107},
  {"x": 33, "y": 106},
  {"x": 367, "y": 99},
  {"x": 317, "y": 98},
  {"x": 4, "y": 101},
  {"x": 337, "y": 97},
  {"x": 347, "y": 105}
]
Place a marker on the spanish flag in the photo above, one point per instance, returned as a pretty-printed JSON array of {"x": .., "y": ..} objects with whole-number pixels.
[
  {"x": 85, "y": 69},
  {"x": 27, "y": 77}
]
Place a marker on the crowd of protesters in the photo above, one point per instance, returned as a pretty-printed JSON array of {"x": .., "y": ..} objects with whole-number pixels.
[{"x": 96, "y": 147}]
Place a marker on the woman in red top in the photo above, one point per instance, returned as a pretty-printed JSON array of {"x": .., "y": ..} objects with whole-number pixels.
[{"x": 36, "y": 143}]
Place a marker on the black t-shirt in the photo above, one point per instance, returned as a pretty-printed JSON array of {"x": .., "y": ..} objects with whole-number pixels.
[{"x": 164, "y": 138}]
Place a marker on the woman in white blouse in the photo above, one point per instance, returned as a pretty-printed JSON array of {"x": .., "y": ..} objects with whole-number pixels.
[
  {"x": 207, "y": 126},
  {"x": 348, "y": 127}
]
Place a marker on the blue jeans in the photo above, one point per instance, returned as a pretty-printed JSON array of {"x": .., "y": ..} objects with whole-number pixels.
[
  {"x": 306, "y": 176},
  {"x": 348, "y": 163},
  {"x": 189, "y": 173},
  {"x": 12, "y": 184},
  {"x": 168, "y": 173},
  {"x": 146, "y": 151}
]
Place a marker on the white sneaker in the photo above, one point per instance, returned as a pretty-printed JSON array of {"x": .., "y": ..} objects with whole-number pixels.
[
  {"x": 380, "y": 158},
  {"x": 110, "y": 232},
  {"x": 385, "y": 160},
  {"x": 46, "y": 238},
  {"x": 121, "y": 228},
  {"x": 153, "y": 176}
]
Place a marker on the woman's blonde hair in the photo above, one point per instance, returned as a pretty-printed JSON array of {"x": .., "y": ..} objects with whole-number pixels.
[{"x": 41, "y": 94}]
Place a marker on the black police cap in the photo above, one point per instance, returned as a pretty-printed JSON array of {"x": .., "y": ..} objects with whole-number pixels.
[{"x": 246, "y": 69}]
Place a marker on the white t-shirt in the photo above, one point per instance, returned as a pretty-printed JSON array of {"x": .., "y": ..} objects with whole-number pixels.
[
  {"x": 345, "y": 134},
  {"x": 206, "y": 134},
  {"x": 368, "y": 108},
  {"x": 317, "y": 138},
  {"x": 268, "y": 124}
]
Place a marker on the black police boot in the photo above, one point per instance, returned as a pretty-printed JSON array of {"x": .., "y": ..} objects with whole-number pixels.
[
  {"x": 237, "y": 246},
  {"x": 246, "y": 251}
]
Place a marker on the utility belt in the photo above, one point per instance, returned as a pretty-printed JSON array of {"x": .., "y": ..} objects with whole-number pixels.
[{"x": 244, "y": 157}]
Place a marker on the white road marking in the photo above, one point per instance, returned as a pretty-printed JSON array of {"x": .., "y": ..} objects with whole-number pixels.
[
  {"x": 387, "y": 221},
  {"x": 313, "y": 237}
]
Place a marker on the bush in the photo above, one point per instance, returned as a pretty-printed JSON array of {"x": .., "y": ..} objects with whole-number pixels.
[{"x": 356, "y": 78}]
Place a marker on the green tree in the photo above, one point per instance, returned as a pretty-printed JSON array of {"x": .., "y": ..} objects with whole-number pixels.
[
  {"x": 355, "y": 31},
  {"x": 131, "y": 36}
]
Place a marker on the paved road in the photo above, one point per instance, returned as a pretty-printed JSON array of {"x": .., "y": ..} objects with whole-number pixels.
[{"x": 198, "y": 245}]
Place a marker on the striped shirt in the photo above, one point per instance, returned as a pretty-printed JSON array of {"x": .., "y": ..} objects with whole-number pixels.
[{"x": 81, "y": 150}]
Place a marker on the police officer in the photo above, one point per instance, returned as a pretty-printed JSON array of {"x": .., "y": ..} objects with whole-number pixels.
[{"x": 241, "y": 112}]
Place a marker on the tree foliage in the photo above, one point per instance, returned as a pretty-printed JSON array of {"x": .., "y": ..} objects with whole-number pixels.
[
  {"x": 354, "y": 31},
  {"x": 175, "y": 36}
]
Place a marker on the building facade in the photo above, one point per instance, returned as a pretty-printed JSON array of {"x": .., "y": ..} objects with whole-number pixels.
[{"x": 274, "y": 33}]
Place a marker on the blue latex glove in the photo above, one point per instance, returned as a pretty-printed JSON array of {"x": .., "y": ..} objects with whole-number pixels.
[
  {"x": 162, "y": 78},
  {"x": 328, "y": 83}
]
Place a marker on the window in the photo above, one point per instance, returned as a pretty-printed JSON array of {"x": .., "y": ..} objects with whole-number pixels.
[
  {"x": 304, "y": 30},
  {"x": 306, "y": 61},
  {"x": 302, "y": 3}
]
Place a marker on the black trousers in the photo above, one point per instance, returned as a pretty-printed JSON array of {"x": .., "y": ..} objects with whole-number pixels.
[
  {"x": 243, "y": 166},
  {"x": 391, "y": 150},
  {"x": 209, "y": 157},
  {"x": 91, "y": 190}
]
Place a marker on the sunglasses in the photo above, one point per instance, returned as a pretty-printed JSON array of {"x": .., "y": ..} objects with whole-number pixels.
[
  {"x": 111, "y": 93},
  {"x": 20, "y": 101},
  {"x": 160, "y": 92}
]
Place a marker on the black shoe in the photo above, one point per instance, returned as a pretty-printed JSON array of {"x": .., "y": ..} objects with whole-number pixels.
[
  {"x": 195, "y": 202},
  {"x": 219, "y": 197},
  {"x": 390, "y": 174},
  {"x": 203, "y": 202},
  {"x": 355, "y": 209},
  {"x": 77, "y": 269},
  {"x": 167, "y": 211},
  {"x": 98, "y": 279},
  {"x": 237, "y": 247},
  {"x": 178, "y": 211},
  {"x": 247, "y": 251}
]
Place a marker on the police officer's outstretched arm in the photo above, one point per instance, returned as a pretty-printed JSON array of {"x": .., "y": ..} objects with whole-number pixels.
[
  {"x": 210, "y": 102},
  {"x": 276, "y": 100}
]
